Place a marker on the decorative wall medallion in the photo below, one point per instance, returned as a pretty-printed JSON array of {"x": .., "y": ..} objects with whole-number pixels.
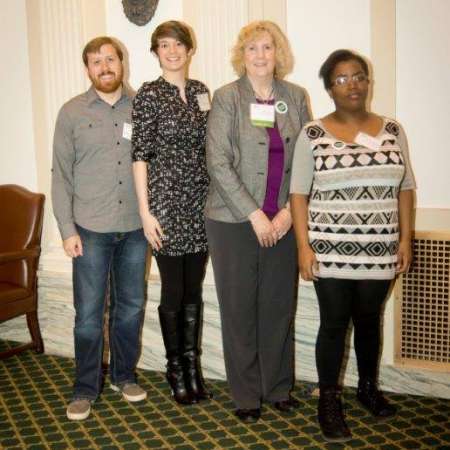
[{"x": 139, "y": 11}]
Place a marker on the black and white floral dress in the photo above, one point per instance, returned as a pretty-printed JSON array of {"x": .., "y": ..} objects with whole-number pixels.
[{"x": 169, "y": 135}]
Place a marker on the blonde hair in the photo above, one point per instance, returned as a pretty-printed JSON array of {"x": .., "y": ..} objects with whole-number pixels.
[{"x": 284, "y": 60}]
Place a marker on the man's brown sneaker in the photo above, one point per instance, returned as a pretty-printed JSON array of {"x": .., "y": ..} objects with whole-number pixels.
[
  {"x": 79, "y": 409},
  {"x": 131, "y": 392}
]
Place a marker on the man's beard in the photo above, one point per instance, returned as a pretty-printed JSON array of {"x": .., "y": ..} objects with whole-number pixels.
[{"x": 110, "y": 86}]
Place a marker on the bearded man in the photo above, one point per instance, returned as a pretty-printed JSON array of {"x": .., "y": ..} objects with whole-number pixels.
[{"x": 95, "y": 205}]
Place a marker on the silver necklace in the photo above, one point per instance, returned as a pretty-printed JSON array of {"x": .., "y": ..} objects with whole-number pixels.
[{"x": 261, "y": 98}]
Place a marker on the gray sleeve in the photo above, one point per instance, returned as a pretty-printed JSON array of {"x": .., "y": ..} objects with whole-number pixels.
[
  {"x": 220, "y": 157},
  {"x": 305, "y": 115},
  {"x": 408, "y": 181},
  {"x": 62, "y": 176},
  {"x": 302, "y": 166}
]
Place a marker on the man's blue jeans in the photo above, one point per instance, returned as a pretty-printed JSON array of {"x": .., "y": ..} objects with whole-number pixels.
[{"x": 120, "y": 258}]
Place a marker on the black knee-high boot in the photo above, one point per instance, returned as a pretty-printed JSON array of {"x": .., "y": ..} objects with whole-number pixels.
[
  {"x": 172, "y": 329},
  {"x": 191, "y": 331}
]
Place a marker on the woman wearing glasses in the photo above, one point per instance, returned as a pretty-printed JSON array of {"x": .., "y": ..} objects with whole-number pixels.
[{"x": 351, "y": 200}]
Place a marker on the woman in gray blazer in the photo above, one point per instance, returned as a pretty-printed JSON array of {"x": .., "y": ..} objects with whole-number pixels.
[{"x": 252, "y": 129}]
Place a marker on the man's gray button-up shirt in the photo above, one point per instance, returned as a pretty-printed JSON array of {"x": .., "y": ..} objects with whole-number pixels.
[{"x": 92, "y": 181}]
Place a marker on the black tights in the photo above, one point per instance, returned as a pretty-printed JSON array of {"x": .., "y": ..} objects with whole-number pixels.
[
  {"x": 340, "y": 301},
  {"x": 181, "y": 279}
]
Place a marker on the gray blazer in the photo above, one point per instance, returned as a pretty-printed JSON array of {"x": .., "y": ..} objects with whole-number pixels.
[{"x": 237, "y": 152}]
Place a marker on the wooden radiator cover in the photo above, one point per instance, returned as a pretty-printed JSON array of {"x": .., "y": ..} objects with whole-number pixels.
[{"x": 422, "y": 306}]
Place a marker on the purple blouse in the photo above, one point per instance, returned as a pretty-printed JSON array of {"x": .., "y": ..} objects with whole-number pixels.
[{"x": 274, "y": 170}]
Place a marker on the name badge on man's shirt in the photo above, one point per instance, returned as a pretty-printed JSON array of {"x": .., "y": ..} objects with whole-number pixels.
[
  {"x": 367, "y": 141},
  {"x": 262, "y": 115},
  {"x": 127, "y": 129},
  {"x": 203, "y": 102}
]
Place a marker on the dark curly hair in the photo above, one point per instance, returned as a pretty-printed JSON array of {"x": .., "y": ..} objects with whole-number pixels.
[{"x": 334, "y": 59}]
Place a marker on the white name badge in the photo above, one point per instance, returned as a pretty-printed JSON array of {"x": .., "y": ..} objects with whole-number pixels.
[
  {"x": 127, "y": 129},
  {"x": 367, "y": 141},
  {"x": 262, "y": 115},
  {"x": 203, "y": 102}
]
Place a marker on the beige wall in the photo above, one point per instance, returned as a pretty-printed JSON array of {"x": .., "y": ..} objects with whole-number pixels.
[
  {"x": 315, "y": 29},
  {"x": 423, "y": 94},
  {"x": 17, "y": 155}
]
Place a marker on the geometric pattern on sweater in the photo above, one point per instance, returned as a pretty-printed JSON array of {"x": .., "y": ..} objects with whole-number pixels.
[
  {"x": 350, "y": 265},
  {"x": 350, "y": 248},
  {"x": 314, "y": 228},
  {"x": 337, "y": 178},
  {"x": 349, "y": 160},
  {"x": 351, "y": 219},
  {"x": 315, "y": 132},
  {"x": 357, "y": 193},
  {"x": 356, "y": 271},
  {"x": 392, "y": 128},
  {"x": 353, "y": 205}
]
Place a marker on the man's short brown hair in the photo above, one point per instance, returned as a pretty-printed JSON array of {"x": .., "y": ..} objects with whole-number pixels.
[
  {"x": 173, "y": 29},
  {"x": 94, "y": 46}
]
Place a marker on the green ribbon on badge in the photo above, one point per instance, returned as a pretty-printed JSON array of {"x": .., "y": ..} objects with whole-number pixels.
[{"x": 262, "y": 123}]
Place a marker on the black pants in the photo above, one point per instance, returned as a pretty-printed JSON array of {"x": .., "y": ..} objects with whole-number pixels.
[
  {"x": 181, "y": 279},
  {"x": 340, "y": 301}
]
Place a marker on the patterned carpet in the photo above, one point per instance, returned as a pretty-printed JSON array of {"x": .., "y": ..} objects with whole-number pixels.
[{"x": 34, "y": 390}]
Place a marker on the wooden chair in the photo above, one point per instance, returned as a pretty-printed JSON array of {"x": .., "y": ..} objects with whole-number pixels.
[{"x": 21, "y": 216}]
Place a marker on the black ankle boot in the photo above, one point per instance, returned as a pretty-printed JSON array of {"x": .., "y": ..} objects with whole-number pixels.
[
  {"x": 331, "y": 417},
  {"x": 372, "y": 399},
  {"x": 193, "y": 372},
  {"x": 171, "y": 327}
]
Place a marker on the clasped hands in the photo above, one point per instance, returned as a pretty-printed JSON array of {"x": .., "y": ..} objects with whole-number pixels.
[{"x": 269, "y": 232}]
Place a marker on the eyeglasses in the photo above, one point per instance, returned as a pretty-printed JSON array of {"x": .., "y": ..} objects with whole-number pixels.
[{"x": 342, "y": 80}]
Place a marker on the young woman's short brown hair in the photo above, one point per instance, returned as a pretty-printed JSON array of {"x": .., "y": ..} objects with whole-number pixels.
[
  {"x": 174, "y": 29},
  {"x": 94, "y": 46}
]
